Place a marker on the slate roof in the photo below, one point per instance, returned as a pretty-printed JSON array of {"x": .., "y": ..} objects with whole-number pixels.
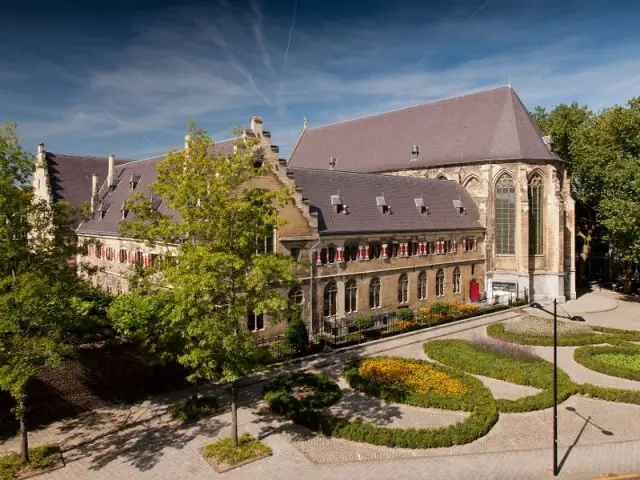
[
  {"x": 487, "y": 125},
  {"x": 70, "y": 175},
  {"x": 146, "y": 173},
  {"x": 359, "y": 191}
]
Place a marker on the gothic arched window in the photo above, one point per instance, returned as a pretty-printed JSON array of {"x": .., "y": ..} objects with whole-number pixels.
[
  {"x": 330, "y": 299},
  {"x": 536, "y": 201},
  {"x": 422, "y": 285},
  {"x": 505, "y": 215},
  {"x": 350, "y": 296},
  {"x": 456, "y": 280},
  {"x": 374, "y": 293},
  {"x": 403, "y": 289},
  {"x": 440, "y": 283},
  {"x": 295, "y": 304}
]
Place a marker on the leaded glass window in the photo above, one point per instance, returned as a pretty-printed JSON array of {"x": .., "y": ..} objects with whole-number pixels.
[
  {"x": 422, "y": 285},
  {"x": 440, "y": 283},
  {"x": 374, "y": 293},
  {"x": 403, "y": 289},
  {"x": 350, "y": 296},
  {"x": 536, "y": 201},
  {"x": 330, "y": 299},
  {"x": 456, "y": 280},
  {"x": 505, "y": 217}
]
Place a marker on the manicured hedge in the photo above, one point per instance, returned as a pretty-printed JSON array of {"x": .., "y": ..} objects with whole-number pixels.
[
  {"x": 600, "y": 360},
  {"x": 606, "y": 335},
  {"x": 480, "y": 402},
  {"x": 610, "y": 394},
  {"x": 504, "y": 365}
]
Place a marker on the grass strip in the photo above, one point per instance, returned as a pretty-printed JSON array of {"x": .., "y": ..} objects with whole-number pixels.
[
  {"x": 224, "y": 453},
  {"x": 41, "y": 458}
]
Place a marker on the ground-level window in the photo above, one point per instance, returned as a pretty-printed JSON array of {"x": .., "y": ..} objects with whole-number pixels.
[
  {"x": 456, "y": 280},
  {"x": 440, "y": 283},
  {"x": 374, "y": 293},
  {"x": 295, "y": 304},
  {"x": 255, "y": 322},
  {"x": 422, "y": 285},
  {"x": 330, "y": 300},
  {"x": 403, "y": 289},
  {"x": 351, "y": 297}
]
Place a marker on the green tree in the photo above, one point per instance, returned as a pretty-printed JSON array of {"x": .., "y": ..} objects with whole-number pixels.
[
  {"x": 219, "y": 272},
  {"x": 568, "y": 124},
  {"x": 614, "y": 143},
  {"x": 37, "y": 285}
]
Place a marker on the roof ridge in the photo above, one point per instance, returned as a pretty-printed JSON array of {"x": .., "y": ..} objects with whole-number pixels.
[
  {"x": 80, "y": 155},
  {"x": 410, "y": 178},
  {"x": 446, "y": 99}
]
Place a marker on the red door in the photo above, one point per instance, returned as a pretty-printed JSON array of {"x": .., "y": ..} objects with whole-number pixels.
[{"x": 474, "y": 291}]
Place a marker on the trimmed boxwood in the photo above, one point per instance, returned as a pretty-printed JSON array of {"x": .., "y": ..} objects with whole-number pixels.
[
  {"x": 404, "y": 314},
  {"x": 440, "y": 307},
  {"x": 599, "y": 335},
  {"x": 611, "y": 394},
  {"x": 530, "y": 371},
  {"x": 598, "y": 359},
  {"x": 479, "y": 401}
]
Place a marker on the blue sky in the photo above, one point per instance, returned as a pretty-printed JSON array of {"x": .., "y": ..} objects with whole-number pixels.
[{"x": 126, "y": 76}]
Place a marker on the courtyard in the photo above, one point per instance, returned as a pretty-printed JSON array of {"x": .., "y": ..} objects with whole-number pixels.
[{"x": 596, "y": 436}]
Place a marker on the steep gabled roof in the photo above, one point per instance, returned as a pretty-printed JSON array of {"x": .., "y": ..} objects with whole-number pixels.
[
  {"x": 145, "y": 172},
  {"x": 360, "y": 192},
  {"x": 70, "y": 175},
  {"x": 489, "y": 125}
]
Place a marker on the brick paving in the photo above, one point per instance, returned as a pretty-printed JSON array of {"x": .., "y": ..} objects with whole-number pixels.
[{"x": 139, "y": 442}]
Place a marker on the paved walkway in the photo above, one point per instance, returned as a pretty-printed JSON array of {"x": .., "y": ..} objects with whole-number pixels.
[{"x": 139, "y": 442}]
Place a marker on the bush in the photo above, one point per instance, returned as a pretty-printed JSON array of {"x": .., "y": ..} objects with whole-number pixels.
[
  {"x": 610, "y": 394},
  {"x": 362, "y": 322},
  {"x": 223, "y": 452},
  {"x": 45, "y": 457},
  {"x": 404, "y": 314},
  {"x": 296, "y": 336},
  {"x": 611, "y": 360},
  {"x": 510, "y": 365},
  {"x": 189, "y": 409},
  {"x": 441, "y": 307}
]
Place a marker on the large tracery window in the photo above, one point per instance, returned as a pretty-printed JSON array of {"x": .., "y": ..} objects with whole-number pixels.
[
  {"x": 536, "y": 201},
  {"x": 505, "y": 218}
]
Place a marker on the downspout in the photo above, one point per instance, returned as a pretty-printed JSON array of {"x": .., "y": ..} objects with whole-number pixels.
[{"x": 311, "y": 287}]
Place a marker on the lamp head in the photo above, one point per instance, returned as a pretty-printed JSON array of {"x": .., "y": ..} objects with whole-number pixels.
[
  {"x": 536, "y": 305},
  {"x": 578, "y": 318}
]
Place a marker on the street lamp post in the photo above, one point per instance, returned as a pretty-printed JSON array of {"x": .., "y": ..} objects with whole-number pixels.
[{"x": 575, "y": 318}]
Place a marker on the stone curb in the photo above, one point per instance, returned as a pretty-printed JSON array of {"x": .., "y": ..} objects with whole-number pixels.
[{"x": 298, "y": 363}]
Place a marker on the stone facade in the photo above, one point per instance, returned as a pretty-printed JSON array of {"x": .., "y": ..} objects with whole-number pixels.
[{"x": 546, "y": 276}]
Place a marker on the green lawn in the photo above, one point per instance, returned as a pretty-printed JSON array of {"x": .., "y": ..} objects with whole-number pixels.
[
  {"x": 41, "y": 458},
  {"x": 504, "y": 363},
  {"x": 618, "y": 361},
  {"x": 225, "y": 454}
]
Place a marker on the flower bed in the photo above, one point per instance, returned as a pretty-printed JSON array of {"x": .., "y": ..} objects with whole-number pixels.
[
  {"x": 508, "y": 364},
  {"x": 224, "y": 455},
  {"x": 611, "y": 360},
  {"x": 279, "y": 395},
  {"x": 421, "y": 377}
]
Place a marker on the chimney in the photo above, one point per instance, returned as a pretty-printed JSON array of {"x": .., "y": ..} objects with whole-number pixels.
[
  {"x": 257, "y": 126},
  {"x": 548, "y": 141},
  {"x": 94, "y": 193},
  {"x": 110, "y": 178}
]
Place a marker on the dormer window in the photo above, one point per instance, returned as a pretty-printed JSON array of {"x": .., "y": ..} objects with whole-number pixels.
[
  {"x": 104, "y": 206},
  {"x": 415, "y": 152},
  {"x": 338, "y": 205},
  {"x": 133, "y": 181},
  {"x": 457, "y": 204},
  {"x": 381, "y": 202},
  {"x": 420, "y": 205},
  {"x": 332, "y": 162}
]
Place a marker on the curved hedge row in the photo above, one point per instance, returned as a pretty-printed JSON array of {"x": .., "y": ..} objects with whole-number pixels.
[
  {"x": 618, "y": 361},
  {"x": 598, "y": 335},
  {"x": 531, "y": 370},
  {"x": 479, "y": 401}
]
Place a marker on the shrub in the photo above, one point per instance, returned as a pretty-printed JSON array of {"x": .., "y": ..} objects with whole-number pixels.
[
  {"x": 441, "y": 307},
  {"x": 618, "y": 361},
  {"x": 296, "y": 336},
  {"x": 190, "y": 409},
  {"x": 404, "y": 314},
  {"x": 223, "y": 452},
  {"x": 610, "y": 394},
  {"x": 363, "y": 321},
  {"x": 478, "y": 400},
  {"x": 508, "y": 349},
  {"x": 45, "y": 457}
]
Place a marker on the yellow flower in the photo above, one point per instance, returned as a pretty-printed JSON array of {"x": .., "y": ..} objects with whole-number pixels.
[{"x": 422, "y": 377}]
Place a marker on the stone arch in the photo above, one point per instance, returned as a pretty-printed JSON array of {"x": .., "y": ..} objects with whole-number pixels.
[
  {"x": 499, "y": 175},
  {"x": 473, "y": 185}
]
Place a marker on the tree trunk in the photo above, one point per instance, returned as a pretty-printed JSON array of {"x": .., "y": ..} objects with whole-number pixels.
[
  {"x": 194, "y": 394},
  {"x": 627, "y": 278},
  {"x": 24, "y": 444},
  {"x": 234, "y": 414}
]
